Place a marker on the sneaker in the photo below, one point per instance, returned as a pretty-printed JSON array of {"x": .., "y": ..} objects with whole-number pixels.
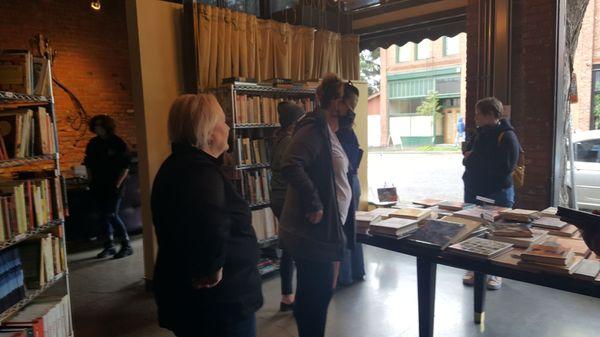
[
  {"x": 106, "y": 252},
  {"x": 125, "y": 251},
  {"x": 494, "y": 282},
  {"x": 469, "y": 278}
]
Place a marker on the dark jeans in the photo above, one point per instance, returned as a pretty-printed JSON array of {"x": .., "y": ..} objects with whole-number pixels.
[
  {"x": 230, "y": 328},
  {"x": 352, "y": 267},
  {"x": 313, "y": 294},
  {"x": 504, "y": 198},
  {"x": 286, "y": 270},
  {"x": 107, "y": 206}
]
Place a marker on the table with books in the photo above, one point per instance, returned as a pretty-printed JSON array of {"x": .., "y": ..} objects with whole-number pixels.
[{"x": 536, "y": 247}]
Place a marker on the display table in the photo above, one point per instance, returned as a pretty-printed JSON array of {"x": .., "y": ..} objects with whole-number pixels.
[{"x": 428, "y": 259}]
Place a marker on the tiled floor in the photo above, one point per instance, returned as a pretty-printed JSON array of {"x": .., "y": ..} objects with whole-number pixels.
[{"x": 109, "y": 301}]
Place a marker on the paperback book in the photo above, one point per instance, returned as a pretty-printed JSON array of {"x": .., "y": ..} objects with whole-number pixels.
[
  {"x": 480, "y": 248},
  {"x": 396, "y": 227},
  {"x": 412, "y": 213},
  {"x": 437, "y": 234}
]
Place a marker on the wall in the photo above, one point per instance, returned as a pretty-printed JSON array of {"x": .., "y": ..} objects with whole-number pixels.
[
  {"x": 155, "y": 42},
  {"x": 93, "y": 62}
]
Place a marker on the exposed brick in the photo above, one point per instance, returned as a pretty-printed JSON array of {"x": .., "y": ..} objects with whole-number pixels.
[{"x": 93, "y": 62}]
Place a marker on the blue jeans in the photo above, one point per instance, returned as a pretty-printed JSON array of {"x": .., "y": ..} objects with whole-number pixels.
[
  {"x": 504, "y": 198},
  {"x": 244, "y": 328},
  {"x": 108, "y": 206}
]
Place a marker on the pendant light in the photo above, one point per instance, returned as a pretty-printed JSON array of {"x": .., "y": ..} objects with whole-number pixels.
[{"x": 96, "y": 5}]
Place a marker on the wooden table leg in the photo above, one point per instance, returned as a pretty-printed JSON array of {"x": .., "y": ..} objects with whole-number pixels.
[
  {"x": 479, "y": 287},
  {"x": 426, "y": 272}
]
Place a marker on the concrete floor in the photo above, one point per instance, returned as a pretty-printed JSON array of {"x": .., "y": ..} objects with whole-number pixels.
[{"x": 109, "y": 301}]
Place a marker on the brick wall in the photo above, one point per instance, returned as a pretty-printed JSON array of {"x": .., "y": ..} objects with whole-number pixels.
[
  {"x": 532, "y": 91},
  {"x": 93, "y": 62}
]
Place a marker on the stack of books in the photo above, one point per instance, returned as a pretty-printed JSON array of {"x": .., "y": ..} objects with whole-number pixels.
[
  {"x": 394, "y": 227},
  {"x": 264, "y": 223},
  {"x": 550, "y": 223},
  {"x": 550, "y": 212},
  {"x": 42, "y": 259},
  {"x": 253, "y": 151},
  {"x": 520, "y": 215},
  {"x": 480, "y": 248},
  {"x": 364, "y": 220},
  {"x": 45, "y": 317},
  {"x": 267, "y": 265},
  {"x": 518, "y": 234},
  {"x": 255, "y": 187},
  {"x": 427, "y": 202},
  {"x": 437, "y": 234},
  {"x": 454, "y": 206},
  {"x": 12, "y": 282},
  {"x": 411, "y": 213},
  {"x": 479, "y": 213},
  {"x": 550, "y": 256},
  {"x": 256, "y": 110},
  {"x": 26, "y": 133}
]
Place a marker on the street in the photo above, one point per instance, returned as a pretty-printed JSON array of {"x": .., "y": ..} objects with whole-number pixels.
[{"x": 417, "y": 175}]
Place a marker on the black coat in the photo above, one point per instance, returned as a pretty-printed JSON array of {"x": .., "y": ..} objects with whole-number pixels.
[
  {"x": 308, "y": 168},
  {"x": 489, "y": 167},
  {"x": 202, "y": 224}
]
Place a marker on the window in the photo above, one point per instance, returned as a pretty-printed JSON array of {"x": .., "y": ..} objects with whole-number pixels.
[
  {"x": 451, "y": 45},
  {"x": 403, "y": 54},
  {"x": 588, "y": 151},
  {"x": 423, "y": 50},
  {"x": 595, "y": 111},
  {"x": 448, "y": 85}
]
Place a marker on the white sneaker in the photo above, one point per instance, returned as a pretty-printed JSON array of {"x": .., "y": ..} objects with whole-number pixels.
[
  {"x": 469, "y": 278},
  {"x": 494, "y": 282}
]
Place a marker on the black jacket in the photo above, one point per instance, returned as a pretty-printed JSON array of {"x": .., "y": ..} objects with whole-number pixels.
[
  {"x": 106, "y": 159},
  {"x": 278, "y": 183},
  {"x": 308, "y": 168},
  {"x": 202, "y": 224},
  {"x": 489, "y": 167}
]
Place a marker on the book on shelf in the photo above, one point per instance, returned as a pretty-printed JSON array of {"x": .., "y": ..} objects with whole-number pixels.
[
  {"x": 394, "y": 227},
  {"x": 364, "y": 219},
  {"x": 47, "y": 315},
  {"x": 255, "y": 185},
  {"x": 12, "y": 282},
  {"x": 26, "y": 133},
  {"x": 427, "y": 202},
  {"x": 549, "y": 223},
  {"x": 480, "y": 248},
  {"x": 42, "y": 260},
  {"x": 549, "y": 253},
  {"x": 256, "y": 110},
  {"x": 587, "y": 270},
  {"x": 264, "y": 223},
  {"x": 471, "y": 226},
  {"x": 437, "y": 234},
  {"x": 520, "y": 215},
  {"x": 454, "y": 206},
  {"x": 16, "y": 71},
  {"x": 253, "y": 151},
  {"x": 411, "y": 213},
  {"x": 537, "y": 236}
]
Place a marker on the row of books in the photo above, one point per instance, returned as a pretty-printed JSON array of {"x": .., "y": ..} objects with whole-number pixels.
[
  {"x": 29, "y": 204},
  {"x": 25, "y": 133},
  {"x": 267, "y": 265},
  {"x": 47, "y": 316},
  {"x": 12, "y": 284},
  {"x": 264, "y": 223},
  {"x": 263, "y": 110},
  {"x": 253, "y": 151},
  {"x": 21, "y": 72},
  {"x": 255, "y": 186},
  {"x": 43, "y": 259}
]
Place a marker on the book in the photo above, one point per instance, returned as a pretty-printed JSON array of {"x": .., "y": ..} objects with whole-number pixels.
[
  {"x": 478, "y": 213},
  {"x": 480, "y": 248},
  {"x": 549, "y": 252},
  {"x": 537, "y": 237},
  {"x": 520, "y": 215},
  {"x": 550, "y": 212},
  {"x": 437, "y": 234},
  {"x": 397, "y": 227},
  {"x": 510, "y": 229},
  {"x": 579, "y": 246},
  {"x": 587, "y": 270},
  {"x": 566, "y": 269},
  {"x": 364, "y": 220},
  {"x": 567, "y": 231},
  {"x": 454, "y": 206},
  {"x": 549, "y": 223},
  {"x": 411, "y": 213},
  {"x": 470, "y": 226},
  {"x": 16, "y": 71},
  {"x": 427, "y": 202},
  {"x": 510, "y": 258}
]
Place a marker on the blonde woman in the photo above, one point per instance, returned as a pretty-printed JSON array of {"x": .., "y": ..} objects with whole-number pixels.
[{"x": 206, "y": 280}]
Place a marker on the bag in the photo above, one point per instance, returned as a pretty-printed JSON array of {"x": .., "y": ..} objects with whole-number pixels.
[{"x": 519, "y": 172}]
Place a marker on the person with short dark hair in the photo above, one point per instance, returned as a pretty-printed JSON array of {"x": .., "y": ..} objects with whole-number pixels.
[
  {"x": 316, "y": 205},
  {"x": 352, "y": 267},
  {"x": 490, "y": 157},
  {"x": 289, "y": 113},
  {"x": 107, "y": 161}
]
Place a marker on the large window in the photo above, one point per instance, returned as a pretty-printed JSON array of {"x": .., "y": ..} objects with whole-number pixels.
[
  {"x": 404, "y": 53},
  {"x": 423, "y": 51},
  {"x": 451, "y": 45},
  {"x": 595, "y": 113}
]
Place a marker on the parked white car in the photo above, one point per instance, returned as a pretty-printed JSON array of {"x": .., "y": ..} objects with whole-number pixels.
[{"x": 587, "y": 169}]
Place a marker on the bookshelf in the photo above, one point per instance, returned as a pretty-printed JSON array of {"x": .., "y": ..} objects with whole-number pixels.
[
  {"x": 251, "y": 112},
  {"x": 38, "y": 205}
]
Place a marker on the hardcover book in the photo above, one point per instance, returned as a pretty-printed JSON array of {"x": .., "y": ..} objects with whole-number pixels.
[
  {"x": 521, "y": 215},
  {"x": 549, "y": 223},
  {"x": 437, "y": 234},
  {"x": 511, "y": 229},
  {"x": 471, "y": 226},
  {"x": 427, "y": 202},
  {"x": 393, "y": 227},
  {"x": 549, "y": 252},
  {"x": 454, "y": 206},
  {"x": 538, "y": 236},
  {"x": 479, "y": 247},
  {"x": 411, "y": 213}
]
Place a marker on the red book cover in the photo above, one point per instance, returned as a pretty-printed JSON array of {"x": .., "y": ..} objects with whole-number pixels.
[
  {"x": 29, "y": 205},
  {"x": 37, "y": 326}
]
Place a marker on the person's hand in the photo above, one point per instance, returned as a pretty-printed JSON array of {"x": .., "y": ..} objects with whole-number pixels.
[
  {"x": 592, "y": 240},
  {"x": 315, "y": 217},
  {"x": 209, "y": 281}
]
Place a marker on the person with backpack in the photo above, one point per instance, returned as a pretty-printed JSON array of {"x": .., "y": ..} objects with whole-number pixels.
[{"x": 490, "y": 158}]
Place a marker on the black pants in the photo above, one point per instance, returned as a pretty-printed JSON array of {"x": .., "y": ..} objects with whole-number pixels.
[
  {"x": 107, "y": 206},
  {"x": 286, "y": 270},
  {"x": 313, "y": 294},
  {"x": 227, "y": 328}
]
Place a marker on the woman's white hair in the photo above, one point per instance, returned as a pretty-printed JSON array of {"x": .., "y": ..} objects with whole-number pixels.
[{"x": 192, "y": 119}]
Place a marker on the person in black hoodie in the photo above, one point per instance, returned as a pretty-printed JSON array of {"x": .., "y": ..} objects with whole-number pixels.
[
  {"x": 490, "y": 157},
  {"x": 316, "y": 205},
  {"x": 206, "y": 281}
]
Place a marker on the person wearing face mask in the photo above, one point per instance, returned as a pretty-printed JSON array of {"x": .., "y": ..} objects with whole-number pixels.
[
  {"x": 490, "y": 157},
  {"x": 352, "y": 267},
  {"x": 107, "y": 161},
  {"x": 206, "y": 281},
  {"x": 316, "y": 205}
]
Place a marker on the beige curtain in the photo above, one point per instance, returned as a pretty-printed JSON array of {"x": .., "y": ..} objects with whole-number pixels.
[
  {"x": 264, "y": 52},
  {"x": 303, "y": 44},
  {"x": 328, "y": 53},
  {"x": 350, "y": 57},
  {"x": 281, "y": 34}
]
